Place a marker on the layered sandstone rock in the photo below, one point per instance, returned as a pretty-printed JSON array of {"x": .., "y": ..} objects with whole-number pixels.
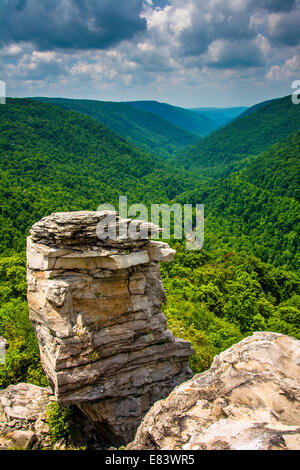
[
  {"x": 96, "y": 309},
  {"x": 248, "y": 400}
]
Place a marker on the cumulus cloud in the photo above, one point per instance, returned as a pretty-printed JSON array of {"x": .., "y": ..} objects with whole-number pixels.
[
  {"x": 37, "y": 65},
  {"x": 211, "y": 21},
  {"x": 289, "y": 70},
  {"x": 70, "y": 24},
  {"x": 148, "y": 45}
]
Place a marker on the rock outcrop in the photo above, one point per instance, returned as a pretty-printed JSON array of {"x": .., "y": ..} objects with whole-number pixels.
[
  {"x": 3, "y": 348},
  {"x": 95, "y": 305},
  {"x": 248, "y": 400},
  {"x": 24, "y": 424}
]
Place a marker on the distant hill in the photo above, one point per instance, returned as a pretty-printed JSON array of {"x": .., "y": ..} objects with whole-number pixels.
[
  {"x": 53, "y": 159},
  {"x": 228, "y": 148},
  {"x": 220, "y": 115},
  {"x": 256, "y": 209},
  {"x": 255, "y": 107},
  {"x": 145, "y": 130},
  {"x": 184, "y": 118}
]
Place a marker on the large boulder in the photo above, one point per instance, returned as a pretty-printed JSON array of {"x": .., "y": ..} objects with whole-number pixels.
[
  {"x": 248, "y": 399},
  {"x": 95, "y": 305}
]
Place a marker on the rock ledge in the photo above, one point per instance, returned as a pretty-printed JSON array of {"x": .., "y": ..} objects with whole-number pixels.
[
  {"x": 95, "y": 306},
  {"x": 248, "y": 400}
]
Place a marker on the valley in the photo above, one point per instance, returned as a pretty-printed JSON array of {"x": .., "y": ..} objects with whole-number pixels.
[{"x": 54, "y": 158}]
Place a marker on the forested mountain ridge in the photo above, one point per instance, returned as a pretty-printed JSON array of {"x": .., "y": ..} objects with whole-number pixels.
[
  {"x": 220, "y": 116},
  {"x": 181, "y": 117},
  {"x": 255, "y": 107},
  {"x": 146, "y": 130},
  {"x": 55, "y": 160},
  {"x": 226, "y": 149},
  {"x": 278, "y": 169},
  {"x": 256, "y": 209}
]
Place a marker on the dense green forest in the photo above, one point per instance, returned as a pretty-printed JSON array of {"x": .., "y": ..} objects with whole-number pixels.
[
  {"x": 245, "y": 278},
  {"x": 56, "y": 160},
  {"x": 215, "y": 299},
  {"x": 146, "y": 130},
  {"x": 228, "y": 148},
  {"x": 257, "y": 208}
]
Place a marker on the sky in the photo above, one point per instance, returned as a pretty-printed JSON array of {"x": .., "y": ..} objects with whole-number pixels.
[{"x": 189, "y": 53}]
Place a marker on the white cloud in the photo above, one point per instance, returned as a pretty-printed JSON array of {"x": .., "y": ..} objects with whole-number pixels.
[
  {"x": 290, "y": 70},
  {"x": 11, "y": 50},
  {"x": 190, "y": 45}
]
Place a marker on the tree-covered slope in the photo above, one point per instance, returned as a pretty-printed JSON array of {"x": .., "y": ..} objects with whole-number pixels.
[
  {"x": 146, "y": 130},
  {"x": 55, "y": 160},
  {"x": 255, "y": 107},
  {"x": 184, "y": 118},
  {"x": 277, "y": 169},
  {"x": 256, "y": 209},
  {"x": 225, "y": 149},
  {"x": 220, "y": 115}
]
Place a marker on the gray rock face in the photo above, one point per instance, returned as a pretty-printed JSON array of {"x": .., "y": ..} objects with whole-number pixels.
[
  {"x": 3, "y": 347},
  {"x": 248, "y": 400},
  {"x": 23, "y": 418},
  {"x": 95, "y": 306}
]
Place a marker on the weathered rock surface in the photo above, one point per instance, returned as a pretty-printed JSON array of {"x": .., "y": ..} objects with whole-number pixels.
[
  {"x": 248, "y": 399},
  {"x": 3, "y": 347},
  {"x": 96, "y": 309},
  {"x": 24, "y": 416}
]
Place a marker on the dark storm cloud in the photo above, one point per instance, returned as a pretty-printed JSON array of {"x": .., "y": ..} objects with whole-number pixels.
[
  {"x": 234, "y": 55},
  {"x": 232, "y": 23},
  {"x": 285, "y": 29},
  {"x": 212, "y": 23},
  {"x": 70, "y": 24},
  {"x": 195, "y": 40}
]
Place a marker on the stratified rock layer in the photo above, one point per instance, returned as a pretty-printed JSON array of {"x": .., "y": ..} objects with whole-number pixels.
[
  {"x": 96, "y": 309},
  {"x": 248, "y": 400}
]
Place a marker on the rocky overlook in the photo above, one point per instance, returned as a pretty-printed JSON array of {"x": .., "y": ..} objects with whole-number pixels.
[
  {"x": 248, "y": 400},
  {"x": 95, "y": 305}
]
